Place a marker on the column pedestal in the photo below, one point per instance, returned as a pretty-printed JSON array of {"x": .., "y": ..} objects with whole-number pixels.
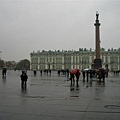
[{"x": 97, "y": 63}]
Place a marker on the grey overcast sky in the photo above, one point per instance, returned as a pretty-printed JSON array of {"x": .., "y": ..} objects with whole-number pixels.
[{"x": 32, "y": 25}]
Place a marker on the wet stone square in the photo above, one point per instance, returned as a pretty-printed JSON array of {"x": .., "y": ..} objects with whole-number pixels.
[{"x": 50, "y": 97}]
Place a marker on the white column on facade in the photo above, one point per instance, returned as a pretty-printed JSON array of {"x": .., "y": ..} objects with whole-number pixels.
[
  {"x": 45, "y": 59},
  {"x": 90, "y": 59},
  {"x": 75, "y": 59},
  {"x": 52, "y": 59},
  {"x": 109, "y": 59},
  {"x": 62, "y": 59},
  {"x": 48, "y": 59},
  {"x": 110, "y": 66},
  {"x": 72, "y": 59},
  {"x": 81, "y": 59},
  {"x": 71, "y": 66},
  {"x": 90, "y": 66},
  {"x": 51, "y": 67},
  {"x": 118, "y": 58},
  {"x": 63, "y": 67},
  {"x": 71, "y": 62},
  {"x": 55, "y": 60},
  {"x": 78, "y": 59},
  {"x": 104, "y": 59},
  {"x": 118, "y": 62},
  {"x": 46, "y": 66},
  {"x": 31, "y": 63},
  {"x": 78, "y": 66},
  {"x": 81, "y": 63},
  {"x": 38, "y": 63}
]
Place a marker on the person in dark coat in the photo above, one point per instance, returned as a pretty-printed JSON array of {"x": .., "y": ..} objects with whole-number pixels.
[
  {"x": 67, "y": 73},
  {"x": 72, "y": 79},
  {"x": 41, "y": 72},
  {"x": 91, "y": 74},
  {"x": 35, "y": 72},
  {"x": 50, "y": 72},
  {"x": 103, "y": 75},
  {"x": 24, "y": 78},
  {"x": 77, "y": 74},
  {"x": 59, "y": 72},
  {"x": 4, "y": 72},
  {"x": 87, "y": 74},
  {"x": 83, "y": 73}
]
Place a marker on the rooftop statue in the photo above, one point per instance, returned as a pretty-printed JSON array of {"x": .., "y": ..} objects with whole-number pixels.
[{"x": 97, "y": 15}]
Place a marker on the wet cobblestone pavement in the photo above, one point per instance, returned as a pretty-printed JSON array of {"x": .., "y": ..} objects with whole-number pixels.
[{"x": 51, "y": 98}]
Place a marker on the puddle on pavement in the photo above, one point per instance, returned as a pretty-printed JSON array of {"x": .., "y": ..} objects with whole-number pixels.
[
  {"x": 35, "y": 96},
  {"x": 74, "y": 96},
  {"x": 112, "y": 106}
]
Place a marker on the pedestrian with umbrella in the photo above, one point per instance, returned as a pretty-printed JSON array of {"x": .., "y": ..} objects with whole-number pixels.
[{"x": 73, "y": 73}]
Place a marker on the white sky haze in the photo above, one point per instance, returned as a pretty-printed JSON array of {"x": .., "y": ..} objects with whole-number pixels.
[{"x": 32, "y": 25}]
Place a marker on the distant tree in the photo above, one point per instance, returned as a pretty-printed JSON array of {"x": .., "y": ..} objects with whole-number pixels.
[
  {"x": 1, "y": 63},
  {"x": 23, "y": 64},
  {"x": 108, "y": 49},
  {"x": 90, "y": 49}
]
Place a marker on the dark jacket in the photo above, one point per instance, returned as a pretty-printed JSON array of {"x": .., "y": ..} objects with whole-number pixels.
[{"x": 24, "y": 77}]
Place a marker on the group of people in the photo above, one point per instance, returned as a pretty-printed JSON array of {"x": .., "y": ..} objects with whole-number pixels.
[
  {"x": 116, "y": 72},
  {"x": 73, "y": 74},
  {"x": 63, "y": 72},
  {"x": 100, "y": 74},
  {"x": 23, "y": 77},
  {"x": 46, "y": 71}
]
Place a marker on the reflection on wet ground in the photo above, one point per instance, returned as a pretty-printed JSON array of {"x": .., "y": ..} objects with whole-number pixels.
[{"x": 54, "y": 97}]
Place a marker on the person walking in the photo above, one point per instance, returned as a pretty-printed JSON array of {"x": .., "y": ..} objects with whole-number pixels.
[
  {"x": 77, "y": 74},
  {"x": 41, "y": 72},
  {"x": 72, "y": 79},
  {"x": 24, "y": 78},
  {"x": 83, "y": 73},
  {"x": 87, "y": 74},
  {"x": 103, "y": 75},
  {"x": 4, "y": 72},
  {"x": 67, "y": 74},
  {"x": 35, "y": 72}
]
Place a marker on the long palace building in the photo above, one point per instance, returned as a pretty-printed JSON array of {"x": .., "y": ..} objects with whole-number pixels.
[{"x": 81, "y": 59}]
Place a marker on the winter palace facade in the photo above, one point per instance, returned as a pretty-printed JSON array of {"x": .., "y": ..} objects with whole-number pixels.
[{"x": 81, "y": 59}]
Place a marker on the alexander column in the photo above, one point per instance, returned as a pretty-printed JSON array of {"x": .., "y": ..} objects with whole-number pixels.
[{"x": 97, "y": 60}]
